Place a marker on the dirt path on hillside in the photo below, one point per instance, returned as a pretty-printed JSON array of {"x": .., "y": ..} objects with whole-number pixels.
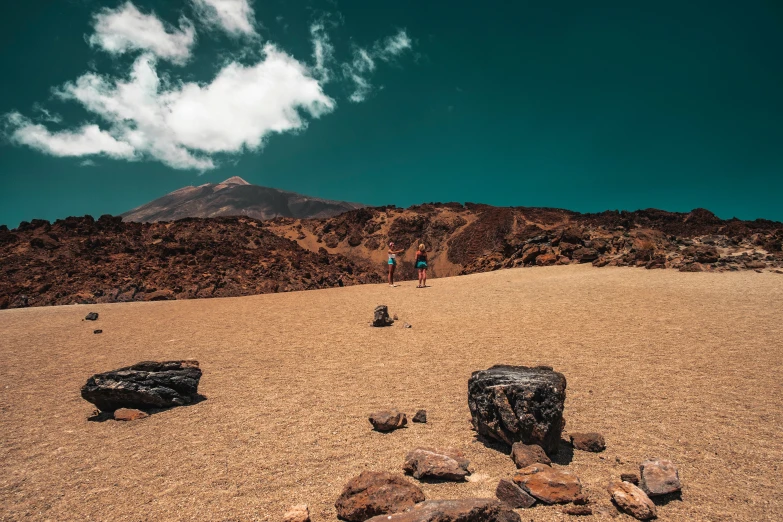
[{"x": 669, "y": 364}]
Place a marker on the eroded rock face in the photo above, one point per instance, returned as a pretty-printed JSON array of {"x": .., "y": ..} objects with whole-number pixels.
[
  {"x": 632, "y": 500},
  {"x": 518, "y": 404},
  {"x": 593, "y": 442},
  {"x": 144, "y": 385},
  {"x": 376, "y": 493},
  {"x": 524, "y": 455},
  {"x": 513, "y": 495},
  {"x": 463, "y": 510},
  {"x": 549, "y": 485},
  {"x": 437, "y": 463},
  {"x": 388, "y": 420},
  {"x": 659, "y": 477}
]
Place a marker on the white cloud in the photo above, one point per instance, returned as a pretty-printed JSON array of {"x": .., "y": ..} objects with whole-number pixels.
[
  {"x": 323, "y": 52},
  {"x": 363, "y": 63},
  {"x": 89, "y": 139},
  {"x": 395, "y": 45},
  {"x": 88, "y": 163},
  {"x": 184, "y": 125},
  {"x": 125, "y": 28},
  {"x": 236, "y": 17}
]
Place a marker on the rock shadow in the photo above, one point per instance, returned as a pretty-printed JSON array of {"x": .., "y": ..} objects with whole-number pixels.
[
  {"x": 493, "y": 444},
  {"x": 564, "y": 455},
  {"x": 663, "y": 500},
  {"x": 103, "y": 416}
]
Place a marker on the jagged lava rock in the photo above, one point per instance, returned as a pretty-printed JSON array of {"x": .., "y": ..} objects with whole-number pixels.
[
  {"x": 144, "y": 385},
  {"x": 436, "y": 463},
  {"x": 388, "y": 420},
  {"x": 632, "y": 500},
  {"x": 513, "y": 495},
  {"x": 549, "y": 485},
  {"x": 518, "y": 404},
  {"x": 593, "y": 442},
  {"x": 463, "y": 510},
  {"x": 524, "y": 455},
  {"x": 659, "y": 477},
  {"x": 376, "y": 493},
  {"x": 421, "y": 416}
]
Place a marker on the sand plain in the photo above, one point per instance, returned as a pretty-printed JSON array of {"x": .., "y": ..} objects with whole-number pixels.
[{"x": 668, "y": 364}]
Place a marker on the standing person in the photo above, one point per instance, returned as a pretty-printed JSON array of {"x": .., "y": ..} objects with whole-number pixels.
[
  {"x": 421, "y": 265},
  {"x": 392, "y": 262}
]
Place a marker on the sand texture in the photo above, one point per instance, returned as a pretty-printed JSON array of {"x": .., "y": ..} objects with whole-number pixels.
[{"x": 684, "y": 366}]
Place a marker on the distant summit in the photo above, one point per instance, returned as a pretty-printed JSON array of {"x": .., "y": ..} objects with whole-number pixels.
[{"x": 236, "y": 197}]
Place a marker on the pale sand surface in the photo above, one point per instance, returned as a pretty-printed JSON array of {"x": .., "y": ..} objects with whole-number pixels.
[{"x": 680, "y": 366}]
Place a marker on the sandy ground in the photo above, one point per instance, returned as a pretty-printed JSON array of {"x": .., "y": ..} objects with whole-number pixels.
[{"x": 681, "y": 366}]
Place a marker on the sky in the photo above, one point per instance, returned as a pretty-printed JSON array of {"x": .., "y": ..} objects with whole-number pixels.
[{"x": 588, "y": 106}]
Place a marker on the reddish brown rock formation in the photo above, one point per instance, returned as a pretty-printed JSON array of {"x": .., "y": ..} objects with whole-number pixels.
[
  {"x": 376, "y": 493},
  {"x": 81, "y": 260}
]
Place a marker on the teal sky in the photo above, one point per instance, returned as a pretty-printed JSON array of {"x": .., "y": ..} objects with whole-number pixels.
[{"x": 619, "y": 105}]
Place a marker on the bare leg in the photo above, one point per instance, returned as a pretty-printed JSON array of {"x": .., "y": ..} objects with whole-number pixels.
[
  {"x": 391, "y": 275},
  {"x": 420, "y": 276},
  {"x": 423, "y": 277}
]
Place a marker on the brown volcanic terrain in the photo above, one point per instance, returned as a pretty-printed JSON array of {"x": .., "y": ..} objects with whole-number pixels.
[
  {"x": 675, "y": 365},
  {"x": 234, "y": 197},
  {"x": 80, "y": 260}
]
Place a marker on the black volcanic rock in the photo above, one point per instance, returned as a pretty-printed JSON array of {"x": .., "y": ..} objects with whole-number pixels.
[
  {"x": 144, "y": 385},
  {"x": 233, "y": 197},
  {"x": 518, "y": 404}
]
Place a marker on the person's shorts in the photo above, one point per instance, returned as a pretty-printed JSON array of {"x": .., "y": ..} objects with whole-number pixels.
[
  {"x": 421, "y": 264},
  {"x": 392, "y": 262}
]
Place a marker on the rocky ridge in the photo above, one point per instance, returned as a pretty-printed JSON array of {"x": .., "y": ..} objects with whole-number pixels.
[{"x": 83, "y": 260}]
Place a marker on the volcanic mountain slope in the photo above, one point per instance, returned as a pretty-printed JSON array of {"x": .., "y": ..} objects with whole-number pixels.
[
  {"x": 478, "y": 238},
  {"x": 235, "y": 197},
  {"x": 80, "y": 260}
]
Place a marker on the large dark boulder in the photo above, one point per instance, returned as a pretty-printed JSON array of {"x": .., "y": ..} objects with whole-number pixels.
[
  {"x": 518, "y": 404},
  {"x": 144, "y": 385}
]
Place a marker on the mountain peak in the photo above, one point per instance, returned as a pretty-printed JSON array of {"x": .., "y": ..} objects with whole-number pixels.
[{"x": 235, "y": 180}]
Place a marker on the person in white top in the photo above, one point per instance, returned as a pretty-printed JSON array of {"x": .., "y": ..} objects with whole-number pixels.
[{"x": 392, "y": 262}]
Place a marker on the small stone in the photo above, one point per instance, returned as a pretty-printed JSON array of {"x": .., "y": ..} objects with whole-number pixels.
[
  {"x": 659, "y": 477},
  {"x": 406, "y": 325},
  {"x": 581, "y": 500},
  {"x": 578, "y": 511},
  {"x": 513, "y": 495},
  {"x": 395, "y": 317},
  {"x": 388, "y": 420},
  {"x": 524, "y": 455},
  {"x": 421, "y": 416},
  {"x": 633, "y": 478},
  {"x": 92, "y": 316},
  {"x": 434, "y": 463},
  {"x": 300, "y": 513},
  {"x": 549, "y": 485},
  {"x": 97, "y": 331},
  {"x": 593, "y": 442},
  {"x": 128, "y": 414},
  {"x": 381, "y": 316},
  {"x": 632, "y": 500},
  {"x": 374, "y": 493}
]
